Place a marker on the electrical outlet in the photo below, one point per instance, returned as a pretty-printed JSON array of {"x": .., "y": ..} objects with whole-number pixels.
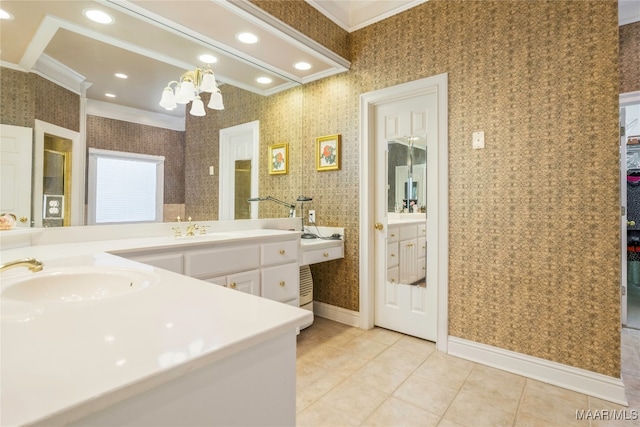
[{"x": 312, "y": 216}]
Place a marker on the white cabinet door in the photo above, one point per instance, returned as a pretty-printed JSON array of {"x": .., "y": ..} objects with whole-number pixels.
[
  {"x": 408, "y": 261},
  {"x": 248, "y": 282},
  {"x": 171, "y": 262}
]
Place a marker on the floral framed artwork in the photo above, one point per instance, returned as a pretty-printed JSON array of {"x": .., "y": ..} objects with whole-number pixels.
[
  {"x": 328, "y": 153},
  {"x": 279, "y": 159}
]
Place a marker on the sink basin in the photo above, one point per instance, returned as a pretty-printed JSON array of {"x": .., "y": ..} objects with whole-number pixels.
[{"x": 76, "y": 284}]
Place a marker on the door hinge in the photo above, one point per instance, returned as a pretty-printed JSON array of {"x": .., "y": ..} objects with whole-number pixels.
[
  {"x": 623, "y": 211},
  {"x": 624, "y": 290}
]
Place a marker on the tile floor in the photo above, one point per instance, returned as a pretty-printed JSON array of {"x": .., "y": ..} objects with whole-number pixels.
[{"x": 351, "y": 377}]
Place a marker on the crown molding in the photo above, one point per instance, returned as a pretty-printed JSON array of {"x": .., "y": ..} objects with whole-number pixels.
[{"x": 134, "y": 115}]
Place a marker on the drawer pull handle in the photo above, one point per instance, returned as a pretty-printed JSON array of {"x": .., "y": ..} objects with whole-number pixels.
[
  {"x": 393, "y": 280},
  {"x": 410, "y": 245},
  {"x": 282, "y": 283},
  {"x": 281, "y": 251},
  {"x": 232, "y": 285},
  {"x": 326, "y": 254},
  {"x": 393, "y": 255},
  {"x": 393, "y": 235}
]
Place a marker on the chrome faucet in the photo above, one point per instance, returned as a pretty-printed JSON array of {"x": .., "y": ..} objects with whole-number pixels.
[{"x": 31, "y": 263}]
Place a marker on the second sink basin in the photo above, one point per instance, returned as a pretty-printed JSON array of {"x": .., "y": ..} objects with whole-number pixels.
[{"x": 76, "y": 284}]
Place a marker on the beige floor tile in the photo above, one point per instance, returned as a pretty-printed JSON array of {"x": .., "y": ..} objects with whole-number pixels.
[
  {"x": 355, "y": 399},
  {"x": 445, "y": 422},
  {"x": 362, "y": 347},
  {"x": 401, "y": 360},
  {"x": 607, "y": 414},
  {"x": 426, "y": 394},
  {"x": 341, "y": 362},
  {"x": 380, "y": 376},
  {"x": 489, "y": 397},
  {"x": 381, "y": 335},
  {"x": 444, "y": 369},
  {"x": 313, "y": 382},
  {"x": 416, "y": 345},
  {"x": 547, "y": 405},
  {"x": 398, "y": 413},
  {"x": 320, "y": 414}
]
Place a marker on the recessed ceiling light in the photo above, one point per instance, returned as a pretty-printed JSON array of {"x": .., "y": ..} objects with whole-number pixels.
[
  {"x": 98, "y": 16},
  {"x": 109, "y": 95},
  {"x": 122, "y": 76},
  {"x": 247, "y": 38},
  {"x": 302, "y": 65},
  {"x": 264, "y": 80},
  {"x": 208, "y": 59},
  {"x": 5, "y": 15}
]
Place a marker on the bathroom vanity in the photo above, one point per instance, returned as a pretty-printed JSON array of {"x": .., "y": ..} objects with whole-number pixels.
[
  {"x": 165, "y": 350},
  {"x": 406, "y": 250}
]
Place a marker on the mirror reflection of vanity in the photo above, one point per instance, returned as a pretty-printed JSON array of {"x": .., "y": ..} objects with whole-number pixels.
[
  {"x": 192, "y": 160},
  {"x": 407, "y": 175}
]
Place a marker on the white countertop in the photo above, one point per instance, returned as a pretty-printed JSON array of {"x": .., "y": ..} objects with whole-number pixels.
[{"x": 79, "y": 357}]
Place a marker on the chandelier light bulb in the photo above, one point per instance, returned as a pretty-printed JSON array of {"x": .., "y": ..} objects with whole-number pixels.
[
  {"x": 168, "y": 99},
  {"x": 197, "y": 107},
  {"x": 215, "y": 103}
]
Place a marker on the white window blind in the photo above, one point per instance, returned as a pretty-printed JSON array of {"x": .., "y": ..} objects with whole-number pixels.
[{"x": 125, "y": 187}]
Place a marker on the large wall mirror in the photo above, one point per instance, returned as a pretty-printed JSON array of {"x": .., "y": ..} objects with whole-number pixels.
[
  {"x": 407, "y": 175},
  {"x": 154, "y": 43}
]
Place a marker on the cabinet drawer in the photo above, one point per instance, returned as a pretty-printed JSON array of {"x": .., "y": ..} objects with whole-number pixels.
[
  {"x": 321, "y": 255},
  {"x": 393, "y": 233},
  {"x": 392, "y": 254},
  {"x": 422, "y": 247},
  {"x": 281, "y": 283},
  {"x": 392, "y": 275},
  {"x": 171, "y": 262},
  {"x": 422, "y": 230},
  {"x": 422, "y": 268},
  {"x": 408, "y": 232},
  {"x": 279, "y": 252},
  {"x": 216, "y": 262}
]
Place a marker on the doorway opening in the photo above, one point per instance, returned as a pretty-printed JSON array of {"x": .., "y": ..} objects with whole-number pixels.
[
  {"x": 630, "y": 196},
  {"x": 238, "y": 155}
]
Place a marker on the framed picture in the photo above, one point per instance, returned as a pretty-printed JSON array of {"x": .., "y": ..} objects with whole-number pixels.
[
  {"x": 328, "y": 153},
  {"x": 279, "y": 159}
]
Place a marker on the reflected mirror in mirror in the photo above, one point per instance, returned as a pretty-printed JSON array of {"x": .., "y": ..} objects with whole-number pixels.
[
  {"x": 407, "y": 175},
  {"x": 242, "y": 189}
]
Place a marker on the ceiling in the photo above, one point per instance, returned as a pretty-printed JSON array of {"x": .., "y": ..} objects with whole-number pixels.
[{"x": 154, "y": 42}]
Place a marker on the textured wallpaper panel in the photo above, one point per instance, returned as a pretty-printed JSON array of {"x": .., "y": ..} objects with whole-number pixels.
[
  {"x": 17, "y": 98},
  {"x": 55, "y": 104},
  {"x": 117, "y": 135},
  {"x": 630, "y": 57}
]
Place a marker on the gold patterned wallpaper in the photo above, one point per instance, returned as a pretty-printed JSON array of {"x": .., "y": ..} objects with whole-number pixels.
[
  {"x": 25, "y": 97},
  {"x": 534, "y": 258}
]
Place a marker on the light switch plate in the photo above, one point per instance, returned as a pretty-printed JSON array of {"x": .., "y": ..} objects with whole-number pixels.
[{"x": 478, "y": 140}]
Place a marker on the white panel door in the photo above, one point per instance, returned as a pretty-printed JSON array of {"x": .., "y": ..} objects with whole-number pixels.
[
  {"x": 15, "y": 172},
  {"x": 403, "y": 302}
]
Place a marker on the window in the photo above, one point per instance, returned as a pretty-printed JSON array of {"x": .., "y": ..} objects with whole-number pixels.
[{"x": 124, "y": 187}]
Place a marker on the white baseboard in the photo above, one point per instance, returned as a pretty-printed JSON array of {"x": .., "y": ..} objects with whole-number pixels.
[
  {"x": 576, "y": 379},
  {"x": 337, "y": 314}
]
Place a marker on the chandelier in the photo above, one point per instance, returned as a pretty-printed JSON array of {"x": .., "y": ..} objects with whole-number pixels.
[{"x": 188, "y": 89}]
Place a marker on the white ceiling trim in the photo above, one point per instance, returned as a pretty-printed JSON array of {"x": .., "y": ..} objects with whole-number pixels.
[
  {"x": 628, "y": 11},
  {"x": 61, "y": 75},
  {"x": 134, "y": 115},
  {"x": 354, "y": 15}
]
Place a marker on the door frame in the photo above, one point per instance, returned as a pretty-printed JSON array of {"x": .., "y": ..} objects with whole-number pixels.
[
  {"x": 226, "y": 198},
  {"x": 624, "y": 100},
  {"x": 78, "y": 168},
  {"x": 437, "y": 224}
]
